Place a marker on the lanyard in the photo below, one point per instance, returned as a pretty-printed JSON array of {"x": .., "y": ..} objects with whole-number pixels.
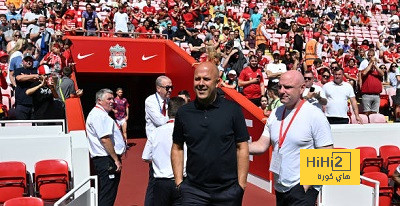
[
  {"x": 171, "y": 121},
  {"x": 159, "y": 105},
  {"x": 59, "y": 87},
  {"x": 283, "y": 137}
]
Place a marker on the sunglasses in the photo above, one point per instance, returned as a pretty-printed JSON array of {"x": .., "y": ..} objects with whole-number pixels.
[
  {"x": 307, "y": 78},
  {"x": 325, "y": 76},
  {"x": 17, "y": 35},
  {"x": 334, "y": 68},
  {"x": 168, "y": 87}
]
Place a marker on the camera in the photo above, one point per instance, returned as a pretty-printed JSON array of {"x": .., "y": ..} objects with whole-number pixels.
[{"x": 312, "y": 89}]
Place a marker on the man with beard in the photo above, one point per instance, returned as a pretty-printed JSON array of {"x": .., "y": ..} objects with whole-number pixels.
[
  {"x": 215, "y": 133},
  {"x": 181, "y": 34},
  {"x": 90, "y": 22},
  {"x": 252, "y": 81}
]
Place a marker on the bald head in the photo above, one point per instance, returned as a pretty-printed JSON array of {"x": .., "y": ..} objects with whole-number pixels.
[
  {"x": 208, "y": 66},
  {"x": 205, "y": 82},
  {"x": 291, "y": 88},
  {"x": 295, "y": 76}
]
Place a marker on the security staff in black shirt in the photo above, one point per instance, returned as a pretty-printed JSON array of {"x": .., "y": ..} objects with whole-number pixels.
[{"x": 216, "y": 136}]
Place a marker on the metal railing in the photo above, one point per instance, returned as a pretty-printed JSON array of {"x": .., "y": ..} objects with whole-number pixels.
[
  {"x": 134, "y": 35},
  {"x": 376, "y": 188},
  {"x": 71, "y": 193}
]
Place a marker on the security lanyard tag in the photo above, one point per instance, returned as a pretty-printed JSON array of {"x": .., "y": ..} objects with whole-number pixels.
[{"x": 276, "y": 162}]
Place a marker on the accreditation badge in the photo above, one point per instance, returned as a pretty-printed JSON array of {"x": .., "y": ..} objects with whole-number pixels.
[{"x": 276, "y": 161}]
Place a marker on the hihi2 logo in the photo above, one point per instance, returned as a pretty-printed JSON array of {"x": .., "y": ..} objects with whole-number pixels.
[{"x": 329, "y": 167}]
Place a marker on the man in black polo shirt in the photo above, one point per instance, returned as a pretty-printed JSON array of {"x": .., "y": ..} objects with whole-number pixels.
[
  {"x": 196, "y": 45},
  {"x": 216, "y": 137},
  {"x": 25, "y": 76}
]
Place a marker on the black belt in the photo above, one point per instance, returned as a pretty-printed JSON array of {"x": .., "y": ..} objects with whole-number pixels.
[
  {"x": 98, "y": 157},
  {"x": 164, "y": 178}
]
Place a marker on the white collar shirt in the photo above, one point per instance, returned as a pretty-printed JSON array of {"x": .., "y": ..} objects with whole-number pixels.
[
  {"x": 98, "y": 125},
  {"x": 158, "y": 150},
  {"x": 153, "y": 109}
]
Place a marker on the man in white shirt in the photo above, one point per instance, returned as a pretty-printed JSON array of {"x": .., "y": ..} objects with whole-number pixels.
[
  {"x": 106, "y": 145},
  {"x": 158, "y": 151},
  {"x": 32, "y": 16},
  {"x": 121, "y": 20},
  {"x": 313, "y": 93},
  {"x": 337, "y": 93},
  {"x": 310, "y": 130},
  {"x": 275, "y": 69},
  {"x": 156, "y": 115},
  {"x": 394, "y": 23}
]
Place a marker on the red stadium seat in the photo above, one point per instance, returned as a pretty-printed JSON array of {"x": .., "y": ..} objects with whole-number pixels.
[
  {"x": 385, "y": 192},
  {"x": 391, "y": 157},
  {"x": 13, "y": 181},
  {"x": 369, "y": 162},
  {"x": 51, "y": 179},
  {"x": 27, "y": 201}
]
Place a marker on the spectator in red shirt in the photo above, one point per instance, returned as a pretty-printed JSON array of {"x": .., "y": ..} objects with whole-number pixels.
[
  {"x": 67, "y": 53},
  {"x": 54, "y": 59},
  {"x": 188, "y": 16},
  {"x": 136, "y": 16},
  {"x": 252, "y": 81},
  {"x": 69, "y": 24},
  {"x": 351, "y": 73},
  {"x": 144, "y": 29},
  {"x": 303, "y": 20},
  {"x": 77, "y": 12},
  {"x": 262, "y": 61},
  {"x": 163, "y": 11},
  {"x": 390, "y": 55},
  {"x": 371, "y": 87},
  {"x": 149, "y": 10},
  {"x": 175, "y": 16}
]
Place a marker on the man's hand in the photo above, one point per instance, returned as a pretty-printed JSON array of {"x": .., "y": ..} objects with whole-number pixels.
[
  {"x": 119, "y": 166},
  {"x": 359, "y": 120},
  {"x": 79, "y": 92},
  {"x": 243, "y": 185}
]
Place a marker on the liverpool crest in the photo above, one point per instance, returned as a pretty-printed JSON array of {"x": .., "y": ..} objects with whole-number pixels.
[{"x": 117, "y": 57}]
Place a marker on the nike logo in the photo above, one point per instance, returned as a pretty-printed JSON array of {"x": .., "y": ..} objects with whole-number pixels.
[
  {"x": 147, "y": 58},
  {"x": 84, "y": 56}
]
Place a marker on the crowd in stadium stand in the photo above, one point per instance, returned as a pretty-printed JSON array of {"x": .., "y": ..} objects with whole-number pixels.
[{"x": 253, "y": 42}]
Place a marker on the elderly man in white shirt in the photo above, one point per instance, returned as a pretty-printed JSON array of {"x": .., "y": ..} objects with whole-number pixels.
[
  {"x": 156, "y": 115},
  {"x": 106, "y": 145},
  {"x": 158, "y": 151}
]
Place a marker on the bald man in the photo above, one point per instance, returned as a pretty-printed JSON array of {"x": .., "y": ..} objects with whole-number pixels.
[
  {"x": 216, "y": 136},
  {"x": 303, "y": 126}
]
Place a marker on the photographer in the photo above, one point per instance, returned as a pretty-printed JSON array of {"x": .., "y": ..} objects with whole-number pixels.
[
  {"x": 313, "y": 93},
  {"x": 43, "y": 94}
]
